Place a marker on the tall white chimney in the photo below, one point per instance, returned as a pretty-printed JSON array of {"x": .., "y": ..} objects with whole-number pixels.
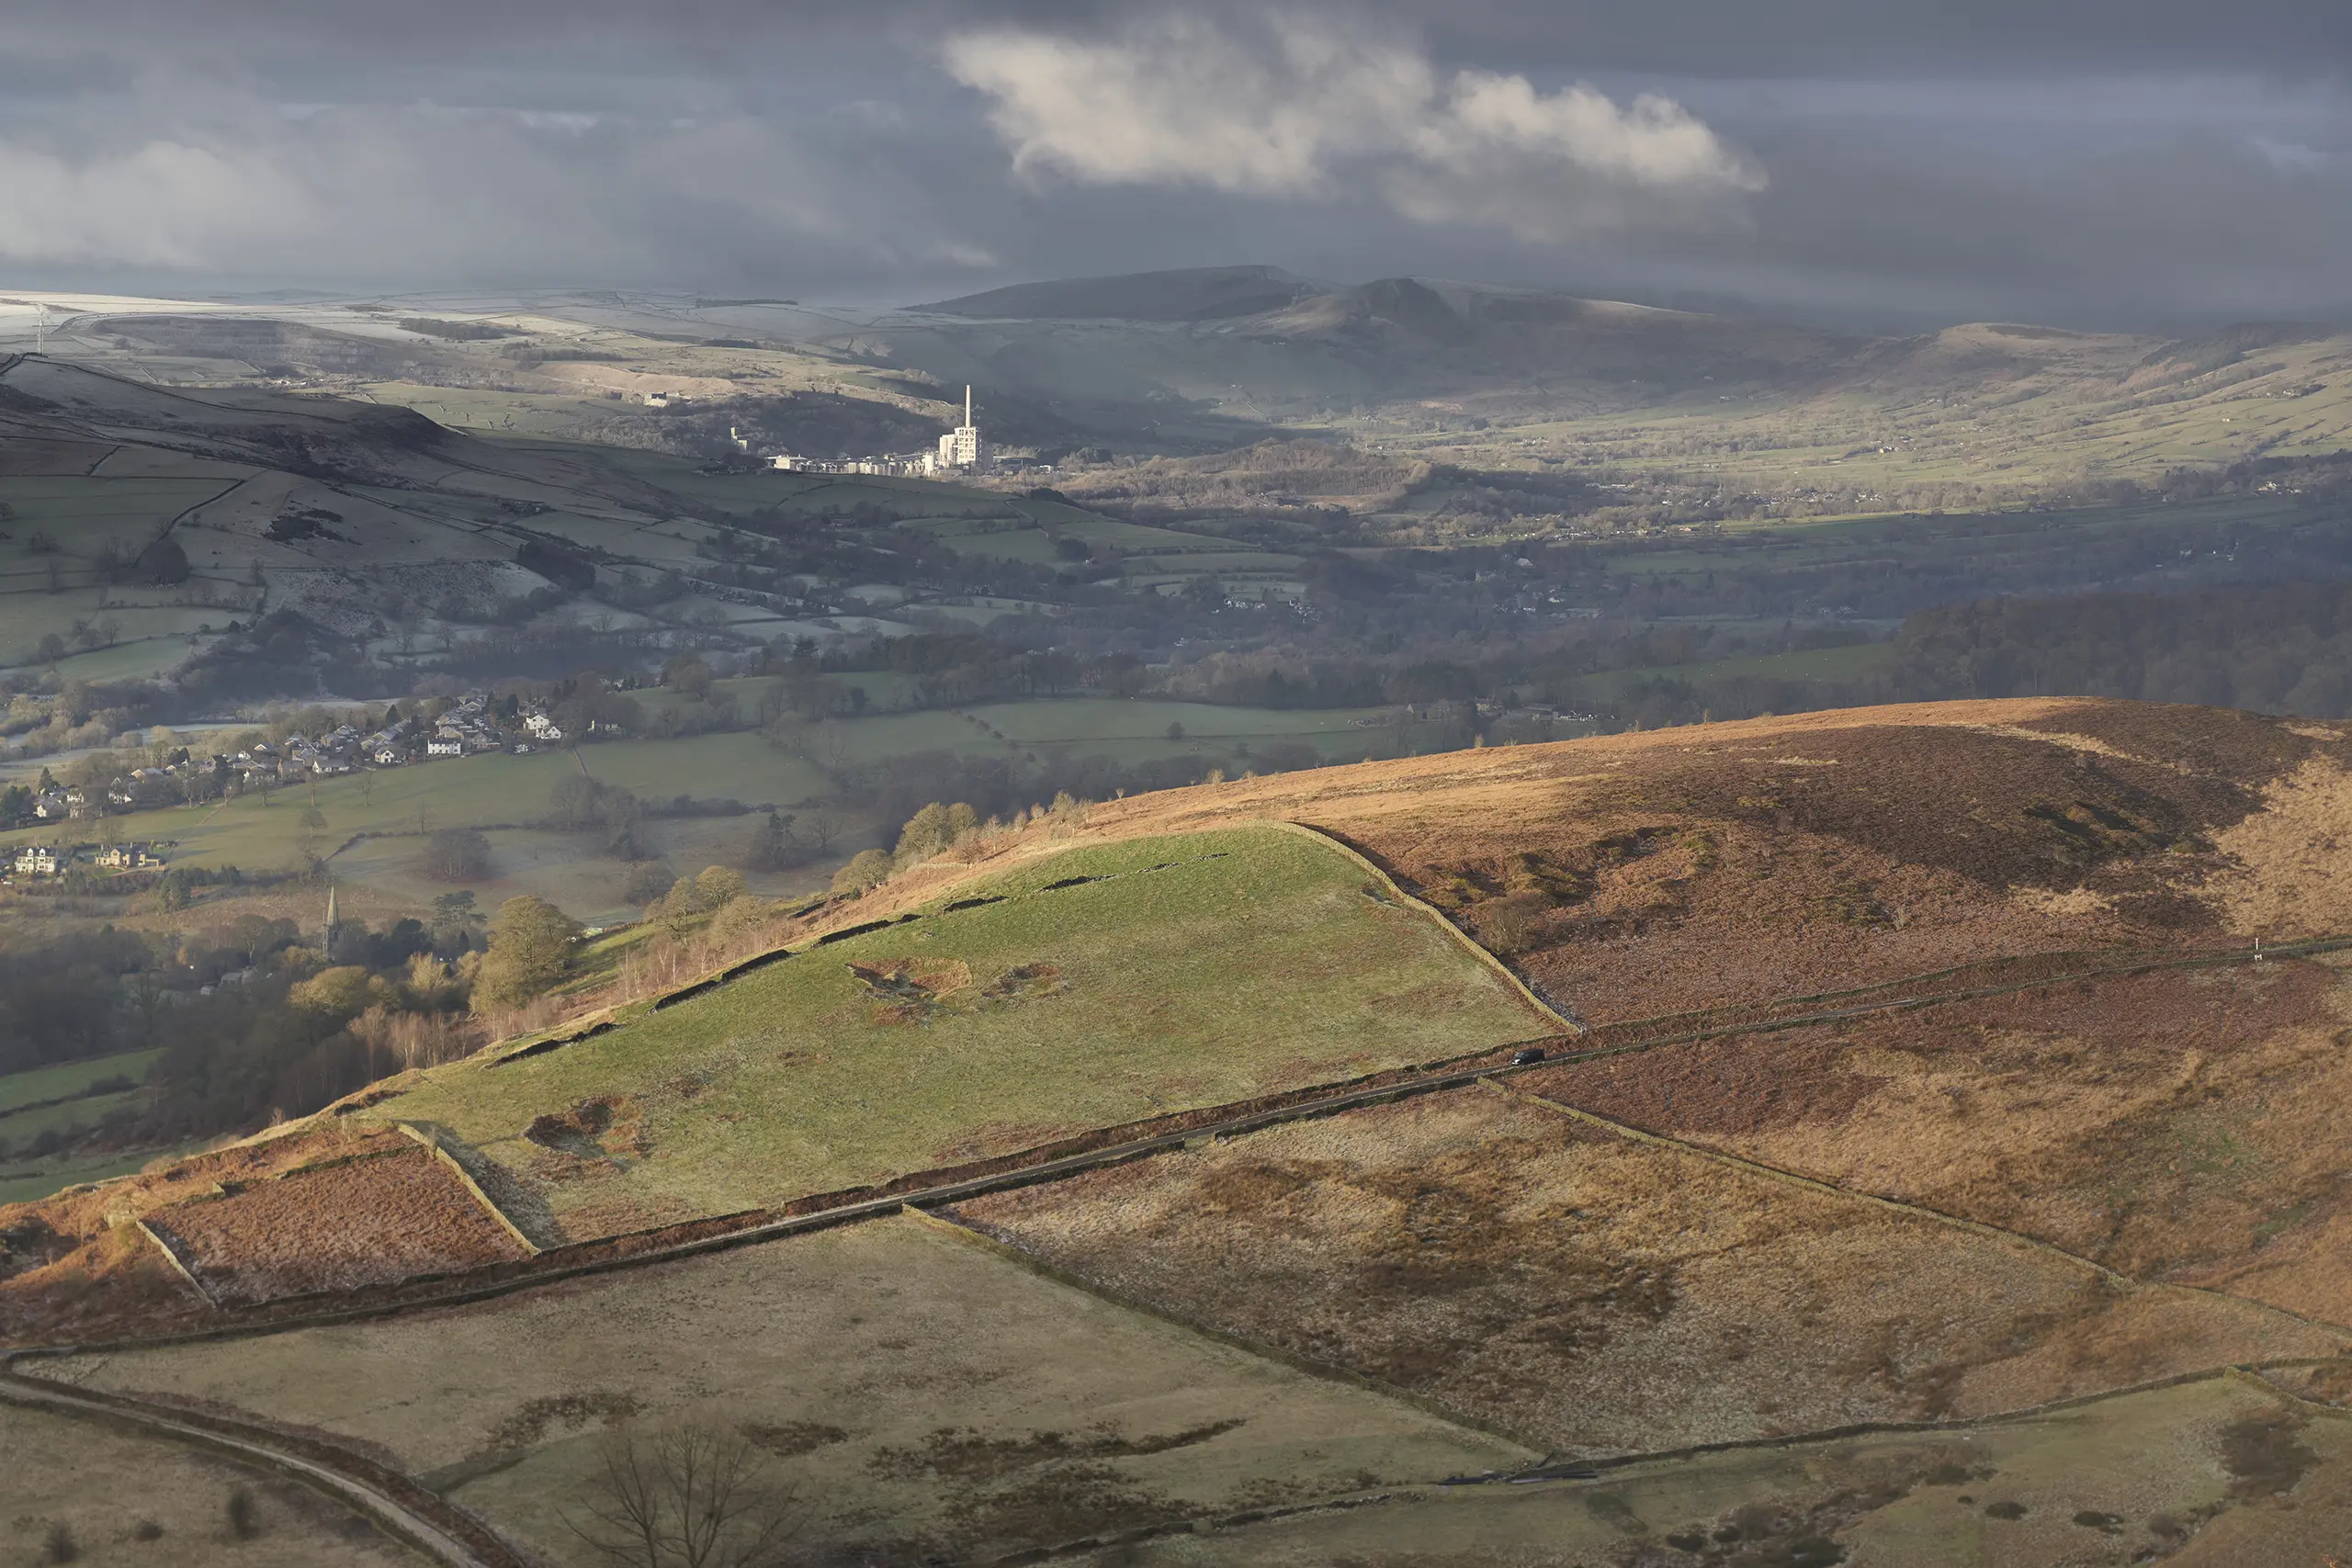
[{"x": 968, "y": 405}]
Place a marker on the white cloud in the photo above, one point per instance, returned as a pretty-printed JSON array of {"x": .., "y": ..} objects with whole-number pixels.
[{"x": 1306, "y": 107}]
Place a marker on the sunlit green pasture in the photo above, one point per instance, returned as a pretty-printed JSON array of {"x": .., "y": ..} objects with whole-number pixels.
[{"x": 1206, "y": 968}]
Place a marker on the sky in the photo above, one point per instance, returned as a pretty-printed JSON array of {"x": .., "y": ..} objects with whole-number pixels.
[{"x": 2141, "y": 164}]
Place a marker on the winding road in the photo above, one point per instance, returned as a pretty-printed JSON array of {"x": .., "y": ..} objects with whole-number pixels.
[{"x": 401, "y": 1507}]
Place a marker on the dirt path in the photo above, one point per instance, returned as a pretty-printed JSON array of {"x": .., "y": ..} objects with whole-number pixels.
[{"x": 398, "y": 1506}]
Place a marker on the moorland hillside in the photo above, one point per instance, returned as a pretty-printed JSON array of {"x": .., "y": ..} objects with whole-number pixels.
[{"x": 1897, "y": 1072}]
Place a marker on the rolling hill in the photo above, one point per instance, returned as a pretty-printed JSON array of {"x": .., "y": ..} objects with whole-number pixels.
[
  {"x": 1195, "y": 294},
  {"x": 1761, "y": 1138},
  {"x": 376, "y": 541},
  {"x": 1196, "y": 360}
]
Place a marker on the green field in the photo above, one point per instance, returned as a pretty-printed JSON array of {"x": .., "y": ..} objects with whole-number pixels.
[
  {"x": 459, "y": 792},
  {"x": 58, "y": 1098},
  {"x": 24, "y": 1182},
  {"x": 1213, "y": 968},
  {"x": 84, "y": 1113},
  {"x": 398, "y": 806},
  {"x": 99, "y": 509},
  {"x": 44, "y": 1084}
]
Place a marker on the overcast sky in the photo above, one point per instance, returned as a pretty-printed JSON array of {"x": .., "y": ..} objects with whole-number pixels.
[{"x": 2096, "y": 162}]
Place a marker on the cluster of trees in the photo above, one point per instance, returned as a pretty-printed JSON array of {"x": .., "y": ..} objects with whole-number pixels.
[
  {"x": 2284, "y": 648},
  {"x": 613, "y": 814},
  {"x": 531, "y": 944},
  {"x": 80, "y": 713},
  {"x": 457, "y": 854},
  {"x": 781, "y": 840},
  {"x": 2275, "y": 649},
  {"x": 714, "y": 903},
  {"x": 939, "y": 829},
  {"x": 253, "y": 1020}
]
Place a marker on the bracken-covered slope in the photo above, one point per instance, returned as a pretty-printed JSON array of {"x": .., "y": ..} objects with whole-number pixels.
[
  {"x": 1925, "y": 1070},
  {"x": 1634, "y": 876}
]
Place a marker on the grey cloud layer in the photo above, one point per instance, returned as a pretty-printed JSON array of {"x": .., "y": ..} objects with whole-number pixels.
[
  {"x": 2103, "y": 164},
  {"x": 1725, "y": 37}
]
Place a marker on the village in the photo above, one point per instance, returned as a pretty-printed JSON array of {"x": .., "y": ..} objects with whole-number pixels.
[{"x": 471, "y": 724}]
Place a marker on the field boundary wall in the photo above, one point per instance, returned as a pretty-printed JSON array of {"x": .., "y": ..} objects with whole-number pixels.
[
  {"x": 1051, "y": 1162},
  {"x": 393, "y": 1501},
  {"x": 474, "y": 1188},
  {"x": 1370, "y": 867},
  {"x": 981, "y": 1241},
  {"x": 1582, "y": 1471},
  {"x": 180, "y": 1266},
  {"x": 1774, "y": 1174}
]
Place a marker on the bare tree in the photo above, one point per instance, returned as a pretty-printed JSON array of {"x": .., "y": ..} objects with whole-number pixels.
[
  {"x": 834, "y": 750},
  {"x": 694, "y": 1496}
]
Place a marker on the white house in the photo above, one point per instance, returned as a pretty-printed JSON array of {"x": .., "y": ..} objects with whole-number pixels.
[
  {"x": 542, "y": 727},
  {"x": 35, "y": 860},
  {"x": 444, "y": 746}
]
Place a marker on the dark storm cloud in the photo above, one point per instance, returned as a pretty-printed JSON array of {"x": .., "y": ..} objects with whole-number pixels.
[
  {"x": 1732, "y": 36},
  {"x": 2106, "y": 161}
]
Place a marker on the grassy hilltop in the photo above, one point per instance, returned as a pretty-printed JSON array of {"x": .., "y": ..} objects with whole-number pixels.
[{"x": 1086, "y": 988}]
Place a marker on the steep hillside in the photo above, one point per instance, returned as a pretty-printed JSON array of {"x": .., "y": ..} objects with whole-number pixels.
[{"x": 1904, "y": 1065}]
